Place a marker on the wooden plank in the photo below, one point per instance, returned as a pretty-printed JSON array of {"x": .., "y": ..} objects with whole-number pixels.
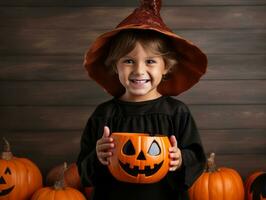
[
  {"x": 229, "y": 116},
  {"x": 235, "y": 67},
  {"x": 68, "y": 42},
  {"x": 55, "y": 93},
  {"x": 45, "y": 143},
  {"x": 126, "y": 3},
  {"x": 43, "y": 148},
  {"x": 75, "y": 117},
  {"x": 243, "y": 163},
  {"x": 42, "y": 68},
  {"x": 44, "y": 118},
  {"x": 226, "y": 92},
  {"x": 69, "y": 93},
  {"x": 48, "y": 68},
  {"x": 234, "y": 141},
  {"x": 207, "y": 17}
]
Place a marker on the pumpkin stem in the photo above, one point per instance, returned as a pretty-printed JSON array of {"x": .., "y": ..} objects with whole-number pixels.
[
  {"x": 211, "y": 166},
  {"x": 60, "y": 184},
  {"x": 6, "y": 154}
]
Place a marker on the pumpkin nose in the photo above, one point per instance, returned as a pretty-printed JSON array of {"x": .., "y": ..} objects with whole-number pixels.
[
  {"x": 141, "y": 156},
  {"x": 2, "y": 180}
]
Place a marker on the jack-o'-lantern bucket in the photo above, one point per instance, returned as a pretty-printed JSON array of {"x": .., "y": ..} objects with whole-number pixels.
[{"x": 139, "y": 157}]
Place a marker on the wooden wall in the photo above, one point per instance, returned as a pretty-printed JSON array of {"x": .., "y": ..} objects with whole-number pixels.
[{"x": 46, "y": 96}]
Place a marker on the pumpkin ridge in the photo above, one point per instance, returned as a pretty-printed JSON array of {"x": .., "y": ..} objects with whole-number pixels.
[
  {"x": 18, "y": 178},
  {"x": 27, "y": 178},
  {"x": 44, "y": 193},
  {"x": 209, "y": 185},
  {"x": 221, "y": 174},
  {"x": 238, "y": 184}
]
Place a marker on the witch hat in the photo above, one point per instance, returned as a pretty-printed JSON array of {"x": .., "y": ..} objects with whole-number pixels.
[{"x": 192, "y": 62}]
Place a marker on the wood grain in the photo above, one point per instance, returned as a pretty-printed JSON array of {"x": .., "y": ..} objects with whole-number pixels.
[
  {"x": 69, "y": 93},
  {"x": 49, "y": 68},
  {"x": 51, "y": 148},
  {"x": 127, "y": 3},
  {"x": 46, "y": 143},
  {"x": 53, "y": 42},
  {"x": 53, "y": 18},
  {"x": 234, "y": 141},
  {"x": 75, "y": 117}
]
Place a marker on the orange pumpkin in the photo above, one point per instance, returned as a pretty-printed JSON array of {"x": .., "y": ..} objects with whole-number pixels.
[
  {"x": 58, "y": 192},
  {"x": 71, "y": 176},
  {"x": 219, "y": 184},
  {"x": 139, "y": 157},
  {"x": 255, "y": 186},
  {"x": 19, "y": 177}
]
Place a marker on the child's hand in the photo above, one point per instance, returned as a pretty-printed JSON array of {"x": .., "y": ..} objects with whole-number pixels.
[
  {"x": 174, "y": 154},
  {"x": 104, "y": 147}
]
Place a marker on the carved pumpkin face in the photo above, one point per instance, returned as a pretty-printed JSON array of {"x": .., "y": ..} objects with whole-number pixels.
[
  {"x": 19, "y": 177},
  {"x": 139, "y": 158},
  {"x": 6, "y": 185},
  {"x": 17, "y": 174},
  {"x": 256, "y": 186}
]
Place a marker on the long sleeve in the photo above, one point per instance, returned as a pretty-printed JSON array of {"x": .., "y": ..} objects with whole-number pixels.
[
  {"x": 192, "y": 152},
  {"x": 89, "y": 167}
]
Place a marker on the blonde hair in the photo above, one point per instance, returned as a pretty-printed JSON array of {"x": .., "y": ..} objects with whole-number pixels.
[{"x": 125, "y": 41}]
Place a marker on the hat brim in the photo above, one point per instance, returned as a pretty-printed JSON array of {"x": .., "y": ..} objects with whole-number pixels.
[{"x": 192, "y": 64}]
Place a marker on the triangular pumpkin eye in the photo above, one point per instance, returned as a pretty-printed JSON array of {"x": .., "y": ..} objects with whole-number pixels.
[
  {"x": 8, "y": 171},
  {"x": 154, "y": 149},
  {"x": 128, "y": 148}
]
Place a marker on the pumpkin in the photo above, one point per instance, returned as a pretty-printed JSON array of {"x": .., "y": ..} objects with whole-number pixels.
[
  {"x": 59, "y": 191},
  {"x": 71, "y": 176},
  {"x": 139, "y": 157},
  {"x": 219, "y": 184},
  {"x": 255, "y": 186},
  {"x": 19, "y": 177}
]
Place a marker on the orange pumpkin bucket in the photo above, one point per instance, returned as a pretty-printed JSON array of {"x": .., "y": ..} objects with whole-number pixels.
[{"x": 139, "y": 157}]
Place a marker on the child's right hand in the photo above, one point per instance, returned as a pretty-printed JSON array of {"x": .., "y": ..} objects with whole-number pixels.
[{"x": 104, "y": 146}]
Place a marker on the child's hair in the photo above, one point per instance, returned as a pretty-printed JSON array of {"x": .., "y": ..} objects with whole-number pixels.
[{"x": 125, "y": 41}]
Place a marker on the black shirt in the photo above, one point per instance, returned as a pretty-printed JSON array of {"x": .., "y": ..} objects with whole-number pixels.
[{"x": 164, "y": 115}]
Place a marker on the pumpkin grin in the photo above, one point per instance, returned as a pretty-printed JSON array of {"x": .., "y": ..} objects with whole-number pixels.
[
  {"x": 6, "y": 191},
  {"x": 135, "y": 171}
]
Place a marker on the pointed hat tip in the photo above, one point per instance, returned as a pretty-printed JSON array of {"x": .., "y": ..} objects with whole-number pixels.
[{"x": 154, "y": 5}]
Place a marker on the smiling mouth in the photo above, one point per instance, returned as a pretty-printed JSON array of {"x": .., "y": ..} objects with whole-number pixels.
[
  {"x": 6, "y": 191},
  {"x": 135, "y": 171},
  {"x": 139, "y": 81}
]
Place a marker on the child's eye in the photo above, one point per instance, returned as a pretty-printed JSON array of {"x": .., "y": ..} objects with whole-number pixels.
[
  {"x": 151, "y": 61},
  {"x": 128, "y": 61}
]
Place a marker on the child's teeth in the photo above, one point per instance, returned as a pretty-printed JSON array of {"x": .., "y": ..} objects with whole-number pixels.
[{"x": 140, "y": 81}]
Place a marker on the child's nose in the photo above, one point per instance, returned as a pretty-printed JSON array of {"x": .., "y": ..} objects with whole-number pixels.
[{"x": 140, "y": 68}]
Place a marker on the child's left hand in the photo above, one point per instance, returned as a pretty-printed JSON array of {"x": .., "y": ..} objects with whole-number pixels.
[{"x": 174, "y": 154}]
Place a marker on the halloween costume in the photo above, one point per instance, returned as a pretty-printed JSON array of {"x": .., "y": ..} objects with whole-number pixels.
[
  {"x": 192, "y": 62},
  {"x": 164, "y": 115}
]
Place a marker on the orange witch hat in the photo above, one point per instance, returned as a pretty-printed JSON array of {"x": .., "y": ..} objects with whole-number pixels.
[{"x": 192, "y": 62}]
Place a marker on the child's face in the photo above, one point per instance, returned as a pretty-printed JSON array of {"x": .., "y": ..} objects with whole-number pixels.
[{"x": 140, "y": 72}]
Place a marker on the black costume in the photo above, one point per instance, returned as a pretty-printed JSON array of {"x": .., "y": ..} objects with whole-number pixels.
[{"x": 164, "y": 115}]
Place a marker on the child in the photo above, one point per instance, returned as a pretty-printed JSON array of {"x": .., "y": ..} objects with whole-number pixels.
[{"x": 141, "y": 63}]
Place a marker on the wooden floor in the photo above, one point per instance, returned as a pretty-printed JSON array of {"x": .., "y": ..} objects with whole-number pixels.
[{"x": 47, "y": 97}]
